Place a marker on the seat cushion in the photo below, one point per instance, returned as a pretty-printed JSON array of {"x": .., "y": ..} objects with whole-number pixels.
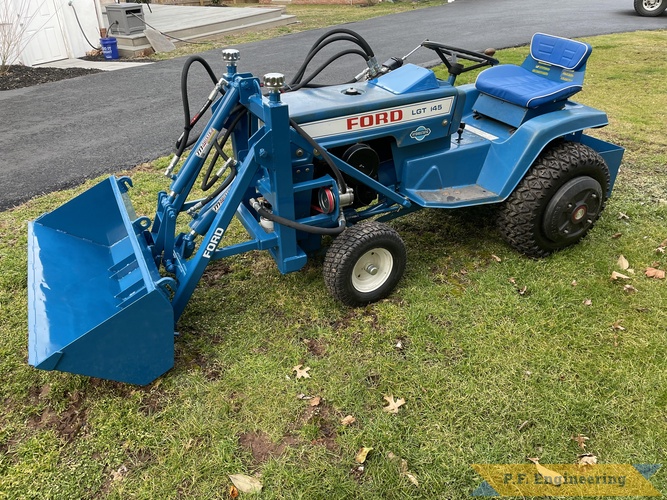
[
  {"x": 519, "y": 86},
  {"x": 561, "y": 52}
]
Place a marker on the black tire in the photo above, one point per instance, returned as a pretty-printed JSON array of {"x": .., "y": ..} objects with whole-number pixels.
[
  {"x": 557, "y": 202},
  {"x": 650, "y": 8},
  {"x": 363, "y": 245}
]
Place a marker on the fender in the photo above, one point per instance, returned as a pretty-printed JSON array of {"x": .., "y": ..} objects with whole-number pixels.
[{"x": 509, "y": 161}]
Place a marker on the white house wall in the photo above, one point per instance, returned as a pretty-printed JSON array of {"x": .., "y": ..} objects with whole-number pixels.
[{"x": 75, "y": 40}]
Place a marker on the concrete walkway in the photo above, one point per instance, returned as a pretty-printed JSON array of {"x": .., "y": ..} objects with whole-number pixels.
[
  {"x": 102, "y": 65},
  {"x": 58, "y": 134}
]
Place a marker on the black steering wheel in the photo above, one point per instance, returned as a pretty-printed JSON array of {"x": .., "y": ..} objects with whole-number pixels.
[{"x": 450, "y": 55}]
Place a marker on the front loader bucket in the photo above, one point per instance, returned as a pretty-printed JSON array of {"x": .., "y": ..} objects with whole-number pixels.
[{"x": 96, "y": 303}]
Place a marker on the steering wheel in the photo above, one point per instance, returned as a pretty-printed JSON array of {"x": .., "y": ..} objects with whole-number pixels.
[{"x": 450, "y": 55}]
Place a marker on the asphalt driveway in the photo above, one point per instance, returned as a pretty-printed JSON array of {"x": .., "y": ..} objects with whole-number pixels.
[{"x": 56, "y": 135}]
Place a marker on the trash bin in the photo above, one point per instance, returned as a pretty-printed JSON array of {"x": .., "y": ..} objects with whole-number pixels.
[{"x": 109, "y": 47}]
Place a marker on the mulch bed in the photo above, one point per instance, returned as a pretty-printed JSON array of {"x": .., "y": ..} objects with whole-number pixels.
[{"x": 25, "y": 76}]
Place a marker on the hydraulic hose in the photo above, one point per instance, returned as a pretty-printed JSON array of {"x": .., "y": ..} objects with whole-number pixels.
[
  {"x": 190, "y": 122},
  {"x": 324, "y": 65},
  {"x": 206, "y": 182},
  {"x": 297, "y": 225},
  {"x": 342, "y": 185}
]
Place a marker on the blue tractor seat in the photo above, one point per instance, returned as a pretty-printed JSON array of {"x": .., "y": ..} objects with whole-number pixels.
[{"x": 552, "y": 72}]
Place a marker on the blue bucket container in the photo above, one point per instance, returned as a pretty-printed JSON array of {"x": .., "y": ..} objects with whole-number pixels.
[{"x": 109, "y": 47}]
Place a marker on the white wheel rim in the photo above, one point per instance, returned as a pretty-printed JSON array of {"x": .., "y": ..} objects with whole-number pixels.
[
  {"x": 372, "y": 270},
  {"x": 652, "y": 4}
]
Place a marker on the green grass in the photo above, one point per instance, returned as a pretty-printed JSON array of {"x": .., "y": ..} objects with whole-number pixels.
[{"x": 478, "y": 358}]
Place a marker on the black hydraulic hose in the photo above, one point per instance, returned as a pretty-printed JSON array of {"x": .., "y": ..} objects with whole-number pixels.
[
  {"x": 206, "y": 183},
  {"x": 316, "y": 49},
  {"x": 228, "y": 180},
  {"x": 362, "y": 41},
  {"x": 190, "y": 122},
  {"x": 313, "y": 75},
  {"x": 342, "y": 185},
  {"x": 297, "y": 225}
]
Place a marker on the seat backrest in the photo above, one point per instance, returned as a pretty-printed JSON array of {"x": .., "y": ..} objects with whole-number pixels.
[{"x": 558, "y": 59}]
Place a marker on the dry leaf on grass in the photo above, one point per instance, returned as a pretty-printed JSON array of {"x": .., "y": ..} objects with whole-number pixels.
[
  {"x": 581, "y": 440},
  {"x": 616, "y": 236},
  {"x": 233, "y": 492},
  {"x": 394, "y": 405},
  {"x": 404, "y": 468},
  {"x": 362, "y": 454},
  {"x": 574, "y": 283},
  {"x": 587, "y": 459},
  {"x": 623, "y": 263},
  {"x": 622, "y": 216},
  {"x": 629, "y": 289},
  {"x": 315, "y": 401},
  {"x": 119, "y": 474},
  {"x": 496, "y": 258},
  {"x": 587, "y": 302},
  {"x": 556, "y": 477},
  {"x": 652, "y": 272},
  {"x": 615, "y": 276},
  {"x": 246, "y": 484},
  {"x": 349, "y": 420},
  {"x": 617, "y": 326},
  {"x": 301, "y": 373}
]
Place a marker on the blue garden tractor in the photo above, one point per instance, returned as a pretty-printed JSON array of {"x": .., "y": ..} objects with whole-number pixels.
[{"x": 107, "y": 287}]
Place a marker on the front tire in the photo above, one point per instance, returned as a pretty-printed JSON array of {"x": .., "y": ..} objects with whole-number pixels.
[
  {"x": 364, "y": 263},
  {"x": 650, "y": 8},
  {"x": 557, "y": 202}
]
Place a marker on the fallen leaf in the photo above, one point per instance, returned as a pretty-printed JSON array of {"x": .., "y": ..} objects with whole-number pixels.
[
  {"x": 623, "y": 263},
  {"x": 301, "y": 373},
  {"x": 522, "y": 291},
  {"x": 616, "y": 236},
  {"x": 246, "y": 484},
  {"x": 513, "y": 281},
  {"x": 233, "y": 492},
  {"x": 588, "y": 302},
  {"x": 412, "y": 478},
  {"x": 315, "y": 401},
  {"x": 622, "y": 216},
  {"x": 652, "y": 272},
  {"x": 349, "y": 420},
  {"x": 581, "y": 440},
  {"x": 393, "y": 405},
  {"x": 496, "y": 258},
  {"x": 615, "y": 276},
  {"x": 361, "y": 455},
  {"x": 660, "y": 250},
  {"x": 629, "y": 289},
  {"x": 574, "y": 283},
  {"x": 463, "y": 272},
  {"x": 119, "y": 474},
  {"x": 556, "y": 478},
  {"x": 617, "y": 326},
  {"x": 664, "y": 243},
  {"x": 587, "y": 459},
  {"x": 303, "y": 396}
]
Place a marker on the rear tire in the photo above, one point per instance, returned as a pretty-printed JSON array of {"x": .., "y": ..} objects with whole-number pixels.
[
  {"x": 557, "y": 202},
  {"x": 364, "y": 263},
  {"x": 650, "y": 8}
]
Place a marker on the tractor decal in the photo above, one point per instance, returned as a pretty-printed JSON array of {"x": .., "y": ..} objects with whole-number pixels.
[{"x": 379, "y": 119}]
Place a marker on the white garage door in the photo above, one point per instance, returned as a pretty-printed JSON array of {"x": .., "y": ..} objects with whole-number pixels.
[{"x": 43, "y": 39}]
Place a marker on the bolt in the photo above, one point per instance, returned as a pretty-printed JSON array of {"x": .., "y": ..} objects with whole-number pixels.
[
  {"x": 316, "y": 152},
  {"x": 444, "y": 123},
  {"x": 299, "y": 153},
  {"x": 371, "y": 269},
  {"x": 298, "y": 171}
]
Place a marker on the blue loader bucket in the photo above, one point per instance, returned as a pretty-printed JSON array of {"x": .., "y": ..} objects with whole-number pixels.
[{"x": 97, "y": 305}]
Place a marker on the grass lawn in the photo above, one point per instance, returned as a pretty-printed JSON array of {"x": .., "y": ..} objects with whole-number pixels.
[{"x": 488, "y": 374}]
